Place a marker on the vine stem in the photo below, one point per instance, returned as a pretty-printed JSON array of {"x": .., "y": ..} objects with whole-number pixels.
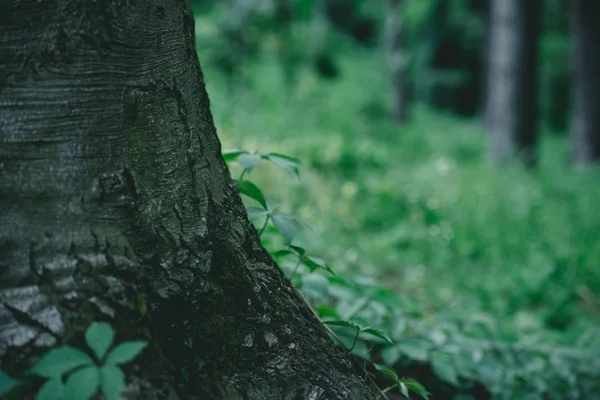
[
  {"x": 264, "y": 226},
  {"x": 296, "y": 268}
]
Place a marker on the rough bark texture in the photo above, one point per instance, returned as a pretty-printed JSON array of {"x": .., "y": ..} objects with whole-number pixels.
[
  {"x": 115, "y": 205},
  {"x": 585, "y": 124},
  {"x": 396, "y": 61},
  {"x": 511, "y": 105}
]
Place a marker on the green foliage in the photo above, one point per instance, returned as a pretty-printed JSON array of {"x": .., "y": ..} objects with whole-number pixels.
[
  {"x": 84, "y": 376},
  {"x": 485, "y": 279}
]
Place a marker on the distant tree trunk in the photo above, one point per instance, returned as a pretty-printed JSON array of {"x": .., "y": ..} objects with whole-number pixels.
[
  {"x": 116, "y": 205},
  {"x": 511, "y": 106},
  {"x": 397, "y": 62},
  {"x": 585, "y": 124}
]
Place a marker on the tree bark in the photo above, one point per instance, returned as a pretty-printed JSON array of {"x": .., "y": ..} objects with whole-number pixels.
[
  {"x": 585, "y": 120},
  {"x": 511, "y": 105},
  {"x": 396, "y": 56},
  {"x": 116, "y": 205}
]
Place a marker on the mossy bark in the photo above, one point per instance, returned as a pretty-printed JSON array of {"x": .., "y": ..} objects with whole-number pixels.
[{"x": 116, "y": 205}]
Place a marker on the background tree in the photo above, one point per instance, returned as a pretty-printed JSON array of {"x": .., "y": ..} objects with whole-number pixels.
[
  {"x": 585, "y": 125},
  {"x": 397, "y": 61},
  {"x": 511, "y": 107},
  {"x": 117, "y": 206}
]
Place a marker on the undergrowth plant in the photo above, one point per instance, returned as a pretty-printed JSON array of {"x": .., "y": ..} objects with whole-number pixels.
[
  {"x": 288, "y": 225},
  {"x": 72, "y": 374},
  {"x": 456, "y": 355}
]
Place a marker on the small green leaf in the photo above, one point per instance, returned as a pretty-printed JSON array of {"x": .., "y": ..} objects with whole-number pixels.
[
  {"x": 378, "y": 334},
  {"x": 296, "y": 219},
  {"x": 283, "y": 253},
  {"x": 344, "y": 324},
  {"x": 125, "y": 352},
  {"x": 6, "y": 383},
  {"x": 443, "y": 366},
  {"x": 112, "y": 381},
  {"x": 314, "y": 263},
  {"x": 295, "y": 160},
  {"x": 283, "y": 163},
  {"x": 416, "y": 349},
  {"x": 51, "y": 390},
  {"x": 82, "y": 384},
  {"x": 390, "y": 354},
  {"x": 248, "y": 161},
  {"x": 287, "y": 229},
  {"x": 232, "y": 155},
  {"x": 99, "y": 337},
  {"x": 416, "y": 387},
  {"x": 251, "y": 190},
  {"x": 386, "y": 370},
  {"x": 327, "y": 311},
  {"x": 255, "y": 213},
  {"x": 59, "y": 361},
  {"x": 403, "y": 389},
  {"x": 298, "y": 250}
]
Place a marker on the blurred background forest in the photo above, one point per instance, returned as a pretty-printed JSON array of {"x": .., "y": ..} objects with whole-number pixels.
[{"x": 448, "y": 164}]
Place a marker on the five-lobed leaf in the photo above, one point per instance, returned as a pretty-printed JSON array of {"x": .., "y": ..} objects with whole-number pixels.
[
  {"x": 112, "y": 381},
  {"x": 59, "y": 361},
  {"x": 82, "y": 384},
  {"x": 125, "y": 352},
  {"x": 99, "y": 336}
]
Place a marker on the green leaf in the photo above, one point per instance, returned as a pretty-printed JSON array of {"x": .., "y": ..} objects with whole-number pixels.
[
  {"x": 298, "y": 250},
  {"x": 387, "y": 370},
  {"x": 255, "y": 213},
  {"x": 283, "y": 253},
  {"x": 248, "y": 161},
  {"x": 59, "y": 361},
  {"x": 283, "y": 163},
  {"x": 344, "y": 324},
  {"x": 286, "y": 228},
  {"x": 416, "y": 387},
  {"x": 403, "y": 389},
  {"x": 112, "y": 381},
  {"x": 232, "y": 155},
  {"x": 125, "y": 352},
  {"x": 6, "y": 383},
  {"x": 82, "y": 384},
  {"x": 378, "y": 334},
  {"x": 295, "y": 160},
  {"x": 99, "y": 336},
  {"x": 314, "y": 263},
  {"x": 296, "y": 219},
  {"x": 51, "y": 390},
  {"x": 251, "y": 190},
  {"x": 443, "y": 366},
  {"x": 416, "y": 349},
  {"x": 391, "y": 354}
]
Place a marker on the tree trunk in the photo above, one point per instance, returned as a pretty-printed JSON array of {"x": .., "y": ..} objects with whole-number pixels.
[
  {"x": 511, "y": 114},
  {"x": 116, "y": 205},
  {"x": 585, "y": 124},
  {"x": 396, "y": 56}
]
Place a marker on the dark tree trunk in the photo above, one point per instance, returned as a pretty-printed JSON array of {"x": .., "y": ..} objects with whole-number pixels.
[
  {"x": 512, "y": 104},
  {"x": 585, "y": 124},
  {"x": 116, "y": 205},
  {"x": 396, "y": 59}
]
